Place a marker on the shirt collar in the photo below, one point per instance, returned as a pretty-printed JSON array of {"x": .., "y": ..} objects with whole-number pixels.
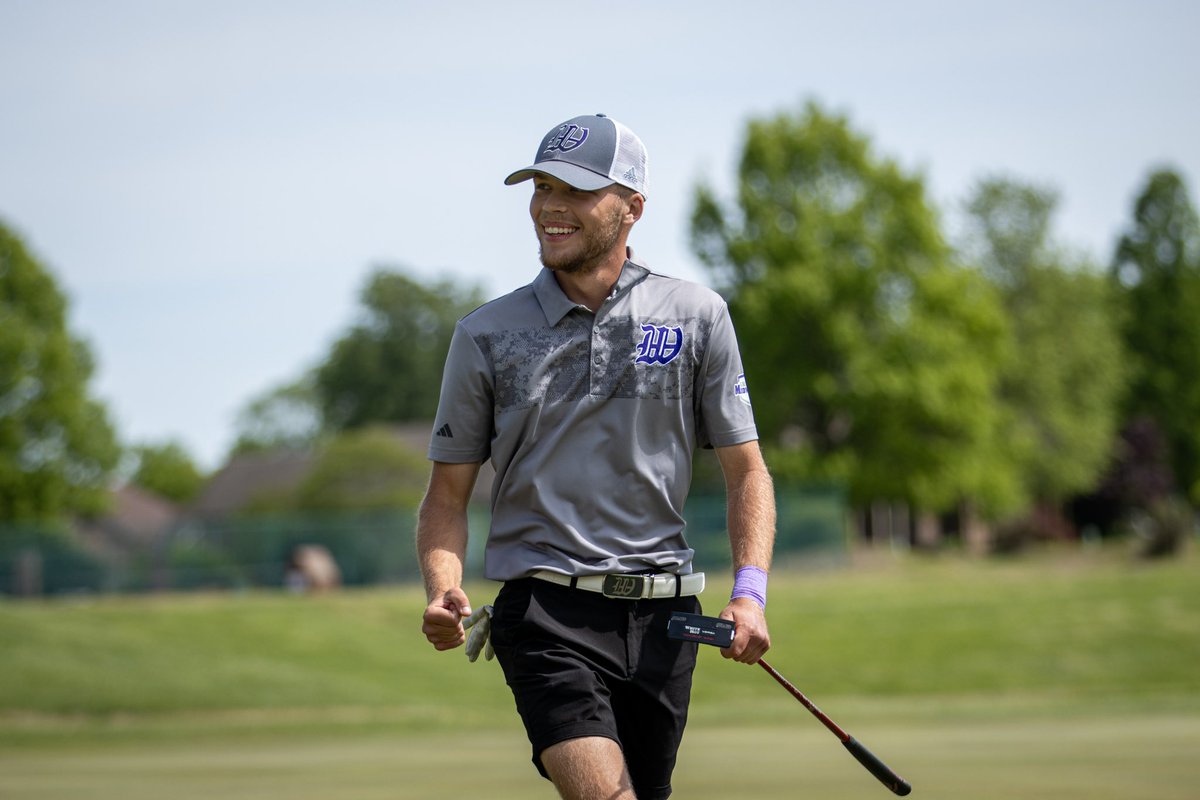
[{"x": 556, "y": 305}]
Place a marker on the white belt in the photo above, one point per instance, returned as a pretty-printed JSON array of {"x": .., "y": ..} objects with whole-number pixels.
[{"x": 631, "y": 587}]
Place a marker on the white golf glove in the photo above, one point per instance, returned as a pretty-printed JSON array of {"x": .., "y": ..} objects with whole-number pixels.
[{"x": 480, "y": 638}]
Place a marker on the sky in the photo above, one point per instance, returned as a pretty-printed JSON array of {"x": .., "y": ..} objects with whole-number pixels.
[{"x": 212, "y": 182}]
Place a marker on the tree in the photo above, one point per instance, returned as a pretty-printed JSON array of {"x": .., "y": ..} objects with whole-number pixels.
[
  {"x": 1062, "y": 390},
  {"x": 388, "y": 367},
  {"x": 1157, "y": 267},
  {"x": 286, "y": 417},
  {"x": 870, "y": 355},
  {"x": 57, "y": 447},
  {"x": 168, "y": 470},
  {"x": 1138, "y": 477},
  {"x": 368, "y": 469}
]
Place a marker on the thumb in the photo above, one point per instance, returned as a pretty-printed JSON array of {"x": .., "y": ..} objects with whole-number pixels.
[{"x": 456, "y": 600}]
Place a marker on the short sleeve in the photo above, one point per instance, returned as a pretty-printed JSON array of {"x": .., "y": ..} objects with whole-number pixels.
[
  {"x": 726, "y": 417},
  {"x": 462, "y": 429}
]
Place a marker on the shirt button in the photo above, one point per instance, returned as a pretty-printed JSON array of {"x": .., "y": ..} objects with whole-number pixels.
[{"x": 598, "y": 360}]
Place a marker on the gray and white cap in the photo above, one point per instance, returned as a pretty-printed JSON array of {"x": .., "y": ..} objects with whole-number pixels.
[{"x": 589, "y": 153}]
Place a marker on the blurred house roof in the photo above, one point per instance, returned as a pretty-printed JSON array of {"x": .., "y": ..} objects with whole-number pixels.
[
  {"x": 251, "y": 476},
  {"x": 136, "y": 521}
]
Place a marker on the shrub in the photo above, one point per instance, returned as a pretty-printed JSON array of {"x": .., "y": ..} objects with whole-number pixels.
[{"x": 1163, "y": 529}]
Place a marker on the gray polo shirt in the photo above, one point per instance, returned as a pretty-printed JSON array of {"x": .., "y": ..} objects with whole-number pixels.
[{"x": 591, "y": 420}]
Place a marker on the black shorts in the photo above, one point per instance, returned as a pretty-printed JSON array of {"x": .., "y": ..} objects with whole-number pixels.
[{"x": 582, "y": 664}]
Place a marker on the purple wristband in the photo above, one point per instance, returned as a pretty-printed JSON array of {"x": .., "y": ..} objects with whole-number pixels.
[{"x": 750, "y": 582}]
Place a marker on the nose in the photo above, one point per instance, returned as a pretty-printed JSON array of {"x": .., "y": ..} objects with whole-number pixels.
[{"x": 556, "y": 200}]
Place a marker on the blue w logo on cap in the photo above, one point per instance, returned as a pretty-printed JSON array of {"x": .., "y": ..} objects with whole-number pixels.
[
  {"x": 660, "y": 344},
  {"x": 568, "y": 138}
]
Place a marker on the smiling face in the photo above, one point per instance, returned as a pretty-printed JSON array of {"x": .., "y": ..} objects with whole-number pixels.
[{"x": 580, "y": 230}]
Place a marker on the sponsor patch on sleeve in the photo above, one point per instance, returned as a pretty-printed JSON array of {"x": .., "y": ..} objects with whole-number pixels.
[{"x": 739, "y": 389}]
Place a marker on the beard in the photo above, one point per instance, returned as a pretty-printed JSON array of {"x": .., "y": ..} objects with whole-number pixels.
[{"x": 591, "y": 250}]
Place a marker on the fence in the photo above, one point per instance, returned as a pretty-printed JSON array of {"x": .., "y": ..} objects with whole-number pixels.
[{"x": 369, "y": 549}]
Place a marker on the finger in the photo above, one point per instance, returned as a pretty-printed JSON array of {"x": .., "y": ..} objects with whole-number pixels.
[
  {"x": 435, "y": 617},
  {"x": 735, "y": 646},
  {"x": 751, "y": 655},
  {"x": 756, "y": 648},
  {"x": 445, "y": 628},
  {"x": 440, "y": 618},
  {"x": 750, "y": 645},
  {"x": 447, "y": 645},
  {"x": 443, "y": 633},
  {"x": 734, "y": 650},
  {"x": 450, "y": 640}
]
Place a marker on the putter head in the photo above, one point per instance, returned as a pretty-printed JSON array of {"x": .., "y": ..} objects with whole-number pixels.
[{"x": 698, "y": 628}]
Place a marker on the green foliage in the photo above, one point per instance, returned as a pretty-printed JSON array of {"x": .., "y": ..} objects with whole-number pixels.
[
  {"x": 870, "y": 355},
  {"x": 1061, "y": 390},
  {"x": 1010, "y": 223},
  {"x": 1157, "y": 266},
  {"x": 369, "y": 469},
  {"x": 1140, "y": 474},
  {"x": 1164, "y": 528},
  {"x": 168, "y": 470},
  {"x": 365, "y": 470},
  {"x": 388, "y": 367},
  {"x": 287, "y": 417},
  {"x": 197, "y": 565},
  {"x": 810, "y": 529},
  {"x": 57, "y": 447}
]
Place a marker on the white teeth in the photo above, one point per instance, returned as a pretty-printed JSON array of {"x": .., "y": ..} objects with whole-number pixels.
[{"x": 557, "y": 231}]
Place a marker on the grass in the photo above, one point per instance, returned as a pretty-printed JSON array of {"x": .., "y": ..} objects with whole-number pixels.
[
  {"x": 1108, "y": 759},
  {"x": 1069, "y": 675}
]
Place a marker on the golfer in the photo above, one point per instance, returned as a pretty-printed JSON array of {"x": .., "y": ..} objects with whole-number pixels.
[{"x": 590, "y": 390}]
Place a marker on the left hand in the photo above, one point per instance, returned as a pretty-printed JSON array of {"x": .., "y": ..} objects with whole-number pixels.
[{"x": 751, "y": 640}]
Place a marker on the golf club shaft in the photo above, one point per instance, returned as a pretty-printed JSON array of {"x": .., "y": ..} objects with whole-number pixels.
[
  {"x": 865, "y": 757},
  {"x": 804, "y": 701}
]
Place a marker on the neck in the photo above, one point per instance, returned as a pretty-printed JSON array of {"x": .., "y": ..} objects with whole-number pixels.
[{"x": 591, "y": 287}]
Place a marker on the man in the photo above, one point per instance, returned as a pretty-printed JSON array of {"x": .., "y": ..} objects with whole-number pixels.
[{"x": 590, "y": 389}]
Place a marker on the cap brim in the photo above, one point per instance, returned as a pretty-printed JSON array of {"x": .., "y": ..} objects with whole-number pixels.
[{"x": 570, "y": 174}]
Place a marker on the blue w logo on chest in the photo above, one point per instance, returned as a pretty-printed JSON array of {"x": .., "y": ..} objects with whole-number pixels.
[{"x": 660, "y": 344}]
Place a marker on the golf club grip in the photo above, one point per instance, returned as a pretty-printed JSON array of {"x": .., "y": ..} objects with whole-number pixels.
[{"x": 876, "y": 767}]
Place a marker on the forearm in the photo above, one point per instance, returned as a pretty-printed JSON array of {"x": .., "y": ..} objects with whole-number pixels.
[
  {"x": 441, "y": 545},
  {"x": 751, "y": 521},
  {"x": 751, "y": 518}
]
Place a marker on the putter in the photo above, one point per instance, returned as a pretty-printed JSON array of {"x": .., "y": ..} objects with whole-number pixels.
[{"x": 719, "y": 632}]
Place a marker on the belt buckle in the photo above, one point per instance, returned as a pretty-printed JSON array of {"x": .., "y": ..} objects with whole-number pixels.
[{"x": 623, "y": 587}]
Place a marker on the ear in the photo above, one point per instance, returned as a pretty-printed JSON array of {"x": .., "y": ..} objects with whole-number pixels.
[{"x": 635, "y": 206}]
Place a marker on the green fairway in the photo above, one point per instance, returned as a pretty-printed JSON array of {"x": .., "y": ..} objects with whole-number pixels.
[
  {"x": 1068, "y": 676},
  {"x": 1094, "y": 757}
]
